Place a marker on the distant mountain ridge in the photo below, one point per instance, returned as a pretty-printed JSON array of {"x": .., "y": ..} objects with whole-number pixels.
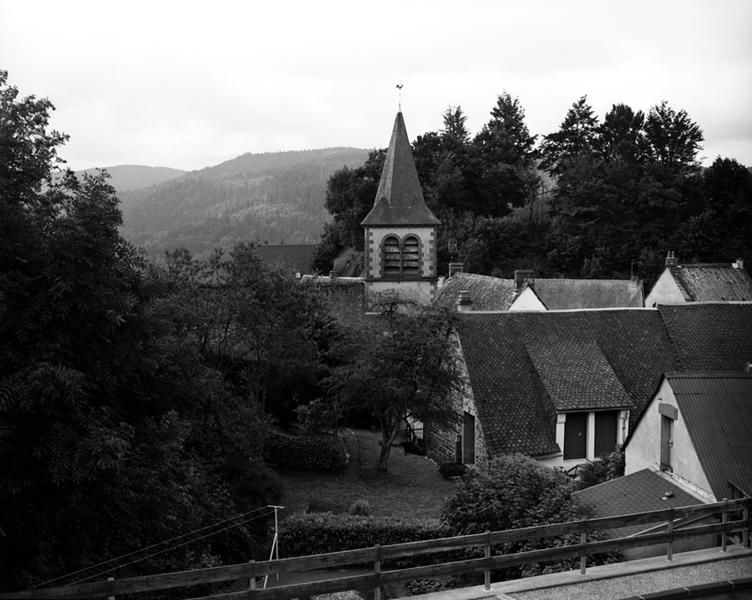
[
  {"x": 270, "y": 197},
  {"x": 125, "y": 178}
]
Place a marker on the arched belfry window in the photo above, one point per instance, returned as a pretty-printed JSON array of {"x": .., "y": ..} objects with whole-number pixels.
[
  {"x": 410, "y": 255},
  {"x": 401, "y": 258},
  {"x": 392, "y": 256}
]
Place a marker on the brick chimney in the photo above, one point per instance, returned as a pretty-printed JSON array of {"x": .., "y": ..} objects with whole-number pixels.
[
  {"x": 671, "y": 260},
  {"x": 522, "y": 277},
  {"x": 464, "y": 304}
]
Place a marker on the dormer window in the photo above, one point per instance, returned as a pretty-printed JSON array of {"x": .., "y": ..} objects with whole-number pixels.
[{"x": 401, "y": 257}]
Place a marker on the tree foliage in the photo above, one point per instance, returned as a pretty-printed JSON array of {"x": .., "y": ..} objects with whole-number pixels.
[
  {"x": 116, "y": 431},
  {"x": 514, "y": 491},
  {"x": 400, "y": 366}
]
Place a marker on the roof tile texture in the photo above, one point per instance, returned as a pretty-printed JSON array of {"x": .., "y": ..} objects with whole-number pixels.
[
  {"x": 712, "y": 282},
  {"x": 399, "y": 199}
]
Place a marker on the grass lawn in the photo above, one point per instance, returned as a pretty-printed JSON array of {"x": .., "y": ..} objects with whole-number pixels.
[{"x": 412, "y": 487}]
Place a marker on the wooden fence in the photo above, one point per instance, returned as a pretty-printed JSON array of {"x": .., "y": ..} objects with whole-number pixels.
[{"x": 731, "y": 520}]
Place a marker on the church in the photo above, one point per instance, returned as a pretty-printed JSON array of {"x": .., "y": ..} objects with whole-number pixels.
[{"x": 400, "y": 232}]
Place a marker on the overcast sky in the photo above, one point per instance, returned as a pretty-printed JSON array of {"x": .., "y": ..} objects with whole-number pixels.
[{"x": 191, "y": 84}]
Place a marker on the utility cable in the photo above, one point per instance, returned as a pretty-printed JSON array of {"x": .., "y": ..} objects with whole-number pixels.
[
  {"x": 147, "y": 548},
  {"x": 152, "y": 555}
]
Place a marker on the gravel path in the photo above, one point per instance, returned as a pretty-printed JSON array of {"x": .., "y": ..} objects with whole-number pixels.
[{"x": 643, "y": 583}]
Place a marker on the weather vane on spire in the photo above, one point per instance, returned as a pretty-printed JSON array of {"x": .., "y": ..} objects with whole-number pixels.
[{"x": 399, "y": 97}]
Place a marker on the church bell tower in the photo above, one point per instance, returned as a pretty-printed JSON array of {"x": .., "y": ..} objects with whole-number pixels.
[{"x": 400, "y": 231}]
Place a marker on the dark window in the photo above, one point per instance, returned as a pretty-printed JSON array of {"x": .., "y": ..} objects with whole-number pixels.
[
  {"x": 392, "y": 256},
  {"x": 401, "y": 258},
  {"x": 667, "y": 433},
  {"x": 605, "y": 431},
  {"x": 468, "y": 439},
  {"x": 410, "y": 254},
  {"x": 575, "y": 435}
]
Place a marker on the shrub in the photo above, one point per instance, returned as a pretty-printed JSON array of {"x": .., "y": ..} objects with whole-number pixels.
[
  {"x": 603, "y": 468},
  {"x": 317, "y": 416},
  {"x": 449, "y": 469},
  {"x": 515, "y": 491},
  {"x": 318, "y": 453},
  {"x": 360, "y": 508},
  {"x": 316, "y": 533}
]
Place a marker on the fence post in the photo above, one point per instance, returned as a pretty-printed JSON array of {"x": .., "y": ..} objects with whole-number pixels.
[
  {"x": 745, "y": 531},
  {"x": 110, "y": 597},
  {"x": 583, "y": 555},
  {"x": 724, "y": 520},
  {"x": 252, "y": 580},
  {"x": 377, "y": 570},
  {"x": 670, "y": 529},
  {"x": 487, "y": 572}
]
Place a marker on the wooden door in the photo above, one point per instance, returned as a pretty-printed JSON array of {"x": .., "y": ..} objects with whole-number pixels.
[{"x": 575, "y": 435}]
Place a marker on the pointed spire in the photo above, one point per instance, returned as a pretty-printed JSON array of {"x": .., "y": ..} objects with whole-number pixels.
[{"x": 399, "y": 199}]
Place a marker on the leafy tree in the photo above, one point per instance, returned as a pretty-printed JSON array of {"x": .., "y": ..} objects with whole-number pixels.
[
  {"x": 673, "y": 137},
  {"x": 507, "y": 153},
  {"x": 400, "y": 366},
  {"x": 577, "y": 137},
  {"x": 514, "y": 491},
  {"x": 109, "y": 424}
]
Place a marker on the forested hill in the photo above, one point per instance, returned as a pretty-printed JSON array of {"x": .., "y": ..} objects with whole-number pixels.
[
  {"x": 125, "y": 178},
  {"x": 273, "y": 197}
]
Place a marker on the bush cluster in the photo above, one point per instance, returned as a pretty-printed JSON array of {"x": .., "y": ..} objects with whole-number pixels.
[
  {"x": 317, "y": 533},
  {"x": 317, "y": 453},
  {"x": 449, "y": 470}
]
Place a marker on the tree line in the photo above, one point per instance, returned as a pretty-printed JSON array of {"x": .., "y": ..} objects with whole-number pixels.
[
  {"x": 594, "y": 199},
  {"x": 135, "y": 399}
]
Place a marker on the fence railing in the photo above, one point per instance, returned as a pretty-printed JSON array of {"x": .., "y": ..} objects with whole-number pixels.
[{"x": 730, "y": 517}]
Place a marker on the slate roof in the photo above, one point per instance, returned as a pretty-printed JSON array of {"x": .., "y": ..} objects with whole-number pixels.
[
  {"x": 399, "y": 199},
  {"x": 293, "y": 257},
  {"x": 712, "y": 282},
  {"x": 638, "y": 492},
  {"x": 525, "y": 366},
  {"x": 717, "y": 411},
  {"x": 589, "y": 293},
  {"x": 709, "y": 337},
  {"x": 486, "y": 293}
]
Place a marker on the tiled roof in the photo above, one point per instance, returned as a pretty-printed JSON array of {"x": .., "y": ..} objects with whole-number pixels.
[
  {"x": 717, "y": 410},
  {"x": 399, "y": 199},
  {"x": 486, "y": 293},
  {"x": 589, "y": 293},
  {"x": 709, "y": 337},
  {"x": 293, "y": 257},
  {"x": 712, "y": 282},
  {"x": 638, "y": 492},
  {"x": 525, "y": 366}
]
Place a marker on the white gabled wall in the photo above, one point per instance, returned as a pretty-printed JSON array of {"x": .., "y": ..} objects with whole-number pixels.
[
  {"x": 644, "y": 448},
  {"x": 665, "y": 291},
  {"x": 527, "y": 300}
]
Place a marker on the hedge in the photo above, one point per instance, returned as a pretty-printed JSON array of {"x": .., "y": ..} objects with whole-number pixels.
[
  {"x": 319, "y": 533},
  {"x": 317, "y": 453}
]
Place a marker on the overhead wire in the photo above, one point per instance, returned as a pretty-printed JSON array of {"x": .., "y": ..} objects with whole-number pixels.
[
  {"x": 137, "y": 560},
  {"x": 152, "y": 546}
]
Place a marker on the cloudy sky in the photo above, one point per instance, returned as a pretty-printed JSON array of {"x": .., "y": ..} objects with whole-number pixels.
[{"x": 190, "y": 84}]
